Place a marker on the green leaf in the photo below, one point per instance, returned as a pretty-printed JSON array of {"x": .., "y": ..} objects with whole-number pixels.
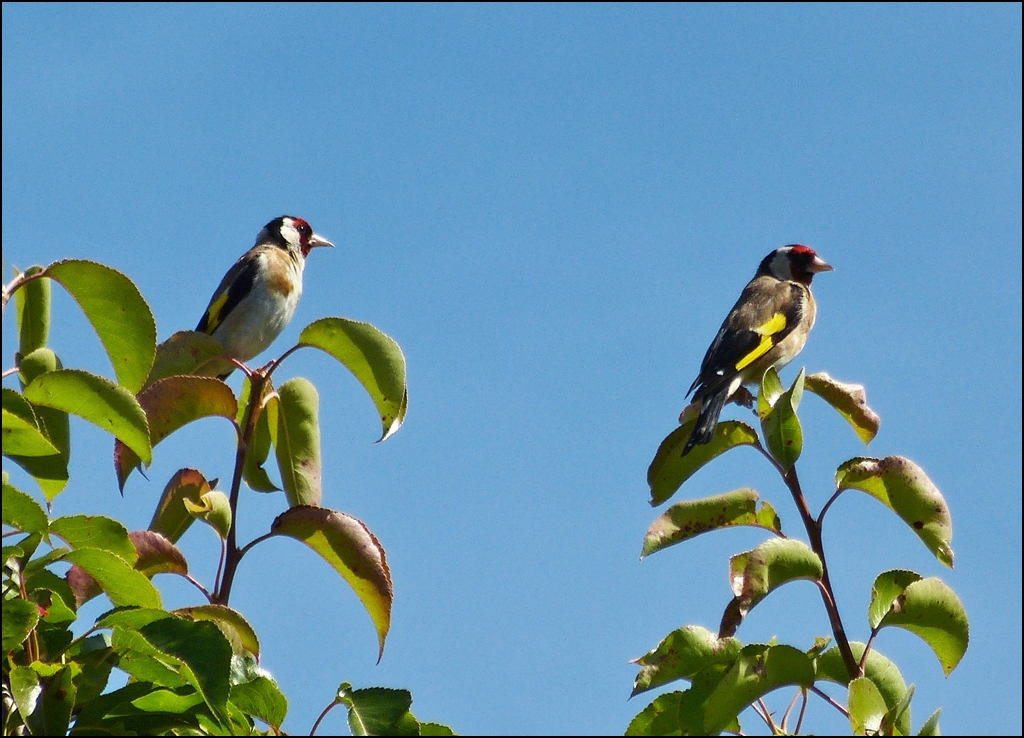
[
  {"x": 235, "y": 628},
  {"x": 170, "y": 517},
  {"x": 867, "y": 707},
  {"x": 374, "y": 358},
  {"x": 931, "y": 725},
  {"x": 673, "y": 713},
  {"x": 895, "y": 713},
  {"x": 932, "y": 611},
  {"x": 438, "y": 729},
  {"x": 379, "y": 711},
  {"x": 686, "y": 520},
  {"x": 850, "y": 401},
  {"x": 98, "y": 400},
  {"x": 33, "y": 308},
  {"x": 171, "y": 403},
  {"x": 352, "y": 550},
  {"x": 887, "y": 587},
  {"x": 681, "y": 655},
  {"x": 769, "y": 392},
  {"x": 21, "y": 437},
  {"x": 781, "y": 426},
  {"x": 755, "y": 574},
  {"x": 164, "y": 700},
  {"x": 182, "y": 354},
  {"x": 903, "y": 487},
  {"x": 670, "y": 468},
  {"x": 157, "y": 555},
  {"x": 259, "y": 445},
  {"x": 214, "y": 509},
  {"x": 26, "y": 691},
  {"x": 53, "y": 423},
  {"x": 297, "y": 442},
  {"x": 19, "y": 618},
  {"x": 118, "y": 313},
  {"x": 758, "y": 670},
  {"x": 877, "y": 668},
  {"x": 122, "y": 584},
  {"x": 22, "y": 512},
  {"x": 262, "y": 699},
  {"x": 203, "y": 649},
  {"x": 96, "y": 531}
]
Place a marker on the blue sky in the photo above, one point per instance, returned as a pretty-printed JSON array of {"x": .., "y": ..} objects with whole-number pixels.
[{"x": 551, "y": 208}]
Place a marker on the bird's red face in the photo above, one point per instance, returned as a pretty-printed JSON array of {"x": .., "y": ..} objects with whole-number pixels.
[
  {"x": 298, "y": 231},
  {"x": 798, "y": 263}
]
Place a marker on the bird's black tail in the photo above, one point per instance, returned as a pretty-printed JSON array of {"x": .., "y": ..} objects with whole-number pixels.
[{"x": 707, "y": 421}]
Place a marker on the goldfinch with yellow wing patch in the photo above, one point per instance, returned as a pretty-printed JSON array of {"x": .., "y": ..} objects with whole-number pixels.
[
  {"x": 768, "y": 326},
  {"x": 258, "y": 296}
]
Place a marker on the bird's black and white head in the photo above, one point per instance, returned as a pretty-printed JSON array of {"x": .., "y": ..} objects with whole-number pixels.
[
  {"x": 794, "y": 263},
  {"x": 292, "y": 234}
]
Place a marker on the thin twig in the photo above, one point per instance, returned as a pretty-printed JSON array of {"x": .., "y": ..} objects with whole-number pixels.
[
  {"x": 830, "y": 701},
  {"x": 803, "y": 710},
  {"x": 323, "y": 715}
]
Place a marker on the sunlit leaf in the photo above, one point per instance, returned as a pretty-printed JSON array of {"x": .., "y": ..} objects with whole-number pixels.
[
  {"x": 121, "y": 583},
  {"x": 931, "y": 725},
  {"x": 769, "y": 392},
  {"x": 866, "y": 706},
  {"x": 380, "y": 711},
  {"x": 172, "y": 403},
  {"x": 670, "y": 468},
  {"x": 157, "y": 555},
  {"x": 781, "y": 426},
  {"x": 850, "y": 401},
  {"x": 53, "y": 423},
  {"x": 214, "y": 509},
  {"x": 262, "y": 699},
  {"x": 36, "y": 439},
  {"x": 33, "y": 311},
  {"x": 932, "y": 611},
  {"x": 21, "y": 512},
  {"x": 254, "y": 474},
  {"x": 880, "y": 670},
  {"x": 681, "y": 655},
  {"x": 352, "y": 550},
  {"x": 374, "y": 358},
  {"x": 201, "y": 647},
  {"x": 755, "y": 574},
  {"x": 758, "y": 670},
  {"x": 887, "y": 587},
  {"x": 297, "y": 442},
  {"x": 902, "y": 486},
  {"x": 170, "y": 517},
  {"x": 98, "y": 400},
  {"x": 184, "y": 353},
  {"x": 231, "y": 622},
  {"x": 21, "y": 437},
  {"x": 686, "y": 520},
  {"x": 117, "y": 311},
  {"x": 19, "y": 618},
  {"x": 96, "y": 531}
]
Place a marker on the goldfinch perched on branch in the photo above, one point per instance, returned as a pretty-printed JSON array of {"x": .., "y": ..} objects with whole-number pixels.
[
  {"x": 258, "y": 296},
  {"x": 768, "y": 326}
]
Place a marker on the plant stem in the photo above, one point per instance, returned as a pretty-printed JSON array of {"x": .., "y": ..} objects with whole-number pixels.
[
  {"x": 257, "y": 382},
  {"x": 827, "y": 594}
]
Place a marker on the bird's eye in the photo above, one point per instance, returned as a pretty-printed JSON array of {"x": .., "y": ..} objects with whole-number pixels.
[{"x": 305, "y": 230}]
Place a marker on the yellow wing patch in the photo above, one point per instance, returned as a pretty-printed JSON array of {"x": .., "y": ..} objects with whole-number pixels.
[
  {"x": 213, "y": 317},
  {"x": 767, "y": 331}
]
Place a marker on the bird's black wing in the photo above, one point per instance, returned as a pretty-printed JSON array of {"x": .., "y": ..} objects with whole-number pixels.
[
  {"x": 760, "y": 319},
  {"x": 237, "y": 283}
]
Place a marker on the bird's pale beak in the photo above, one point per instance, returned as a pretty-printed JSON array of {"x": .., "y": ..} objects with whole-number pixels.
[
  {"x": 819, "y": 265},
  {"x": 316, "y": 240}
]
